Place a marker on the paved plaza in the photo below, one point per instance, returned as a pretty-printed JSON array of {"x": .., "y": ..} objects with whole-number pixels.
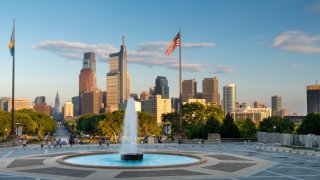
[{"x": 225, "y": 161}]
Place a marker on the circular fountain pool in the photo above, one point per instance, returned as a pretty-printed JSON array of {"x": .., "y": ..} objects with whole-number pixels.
[{"x": 113, "y": 160}]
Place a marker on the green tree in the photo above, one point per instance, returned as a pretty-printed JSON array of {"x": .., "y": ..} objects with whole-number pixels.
[
  {"x": 28, "y": 125},
  {"x": 246, "y": 128},
  {"x": 229, "y": 129},
  {"x": 215, "y": 112},
  {"x": 5, "y": 123},
  {"x": 310, "y": 124},
  {"x": 212, "y": 126},
  {"x": 276, "y": 124},
  {"x": 112, "y": 125},
  {"x": 147, "y": 124},
  {"x": 88, "y": 123},
  {"x": 194, "y": 118}
]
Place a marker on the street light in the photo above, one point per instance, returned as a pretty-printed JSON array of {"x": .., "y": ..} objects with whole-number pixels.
[{"x": 274, "y": 129}]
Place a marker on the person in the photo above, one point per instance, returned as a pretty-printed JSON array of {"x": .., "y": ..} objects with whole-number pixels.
[
  {"x": 49, "y": 144},
  {"x": 54, "y": 142},
  {"x": 59, "y": 142},
  {"x": 100, "y": 141},
  {"x": 71, "y": 140},
  {"x": 179, "y": 141},
  {"x": 108, "y": 143},
  {"x": 41, "y": 144},
  {"x": 24, "y": 143}
]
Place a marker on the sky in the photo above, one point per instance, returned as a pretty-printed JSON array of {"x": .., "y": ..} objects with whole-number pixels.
[{"x": 266, "y": 48}]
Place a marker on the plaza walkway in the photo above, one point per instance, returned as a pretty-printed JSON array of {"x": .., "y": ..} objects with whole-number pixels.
[{"x": 225, "y": 161}]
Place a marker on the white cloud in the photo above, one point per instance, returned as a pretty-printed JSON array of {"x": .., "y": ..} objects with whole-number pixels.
[
  {"x": 148, "y": 54},
  {"x": 296, "y": 41},
  {"x": 75, "y": 50},
  {"x": 293, "y": 66}
]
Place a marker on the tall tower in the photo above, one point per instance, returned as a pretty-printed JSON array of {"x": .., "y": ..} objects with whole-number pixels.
[
  {"x": 89, "y": 61},
  {"x": 189, "y": 89},
  {"x": 313, "y": 98},
  {"x": 162, "y": 87},
  {"x": 118, "y": 80},
  {"x": 57, "y": 102},
  {"x": 210, "y": 90},
  {"x": 276, "y": 105},
  {"x": 229, "y": 98}
]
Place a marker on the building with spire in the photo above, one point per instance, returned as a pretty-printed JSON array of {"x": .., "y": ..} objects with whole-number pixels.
[
  {"x": 57, "y": 110},
  {"x": 118, "y": 79}
]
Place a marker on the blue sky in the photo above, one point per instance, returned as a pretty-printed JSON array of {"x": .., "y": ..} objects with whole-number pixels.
[{"x": 266, "y": 48}]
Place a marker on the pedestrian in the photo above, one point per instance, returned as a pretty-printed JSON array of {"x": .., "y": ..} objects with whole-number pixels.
[
  {"x": 100, "y": 141},
  {"x": 41, "y": 144},
  {"x": 54, "y": 142},
  {"x": 108, "y": 143},
  {"x": 71, "y": 140},
  {"x": 59, "y": 142},
  {"x": 49, "y": 144},
  {"x": 24, "y": 143}
]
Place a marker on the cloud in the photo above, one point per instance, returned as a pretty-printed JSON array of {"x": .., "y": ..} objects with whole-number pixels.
[
  {"x": 75, "y": 50},
  {"x": 148, "y": 54},
  {"x": 296, "y": 41},
  {"x": 293, "y": 66},
  {"x": 314, "y": 7}
]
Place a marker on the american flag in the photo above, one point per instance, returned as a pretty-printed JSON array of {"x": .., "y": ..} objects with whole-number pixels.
[{"x": 174, "y": 43}]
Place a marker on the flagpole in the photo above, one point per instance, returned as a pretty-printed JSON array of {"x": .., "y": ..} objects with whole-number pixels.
[
  {"x": 181, "y": 132},
  {"x": 13, "y": 72}
]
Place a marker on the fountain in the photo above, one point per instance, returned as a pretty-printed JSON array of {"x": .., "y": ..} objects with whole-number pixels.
[
  {"x": 128, "y": 148},
  {"x": 130, "y": 157}
]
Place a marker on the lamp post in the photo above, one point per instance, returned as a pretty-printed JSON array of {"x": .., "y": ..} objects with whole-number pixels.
[{"x": 274, "y": 129}]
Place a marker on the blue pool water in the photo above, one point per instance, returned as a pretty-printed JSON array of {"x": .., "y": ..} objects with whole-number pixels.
[{"x": 148, "y": 160}]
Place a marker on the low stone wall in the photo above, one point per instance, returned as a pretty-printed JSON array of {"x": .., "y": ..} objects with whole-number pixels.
[{"x": 308, "y": 141}]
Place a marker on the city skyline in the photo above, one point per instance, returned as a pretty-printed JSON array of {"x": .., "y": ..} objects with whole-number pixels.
[{"x": 265, "y": 48}]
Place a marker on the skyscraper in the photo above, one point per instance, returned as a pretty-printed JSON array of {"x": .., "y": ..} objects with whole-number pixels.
[
  {"x": 68, "y": 110},
  {"x": 276, "y": 105},
  {"x": 229, "y": 98},
  {"x": 87, "y": 76},
  {"x": 313, "y": 98},
  {"x": 89, "y": 61},
  {"x": 91, "y": 101},
  {"x": 76, "y": 104},
  {"x": 118, "y": 80},
  {"x": 189, "y": 89},
  {"x": 40, "y": 100},
  {"x": 86, "y": 80},
  {"x": 210, "y": 90},
  {"x": 157, "y": 106},
  {"x": 162, "y": 87},
  {"x": 57, "y": 102}
]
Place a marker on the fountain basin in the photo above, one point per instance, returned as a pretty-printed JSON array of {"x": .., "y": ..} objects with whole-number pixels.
[
  {"x": 132, "y": 157},
  {"x": 112, "y": 160}
]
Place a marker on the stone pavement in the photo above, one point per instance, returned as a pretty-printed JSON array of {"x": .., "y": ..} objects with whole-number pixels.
[{"x": 224, "y": 161}]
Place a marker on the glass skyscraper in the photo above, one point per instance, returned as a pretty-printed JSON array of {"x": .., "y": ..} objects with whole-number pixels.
[
  {"x": 229, "y": 98},
  {"x": 162, "y": 87}
]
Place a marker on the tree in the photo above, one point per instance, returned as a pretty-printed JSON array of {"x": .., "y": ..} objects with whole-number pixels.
[
  {"x": 88, "y": 123},
  {"x": 194, "y": 118},
  {"x": 212, "y": 126},
  {"x": 215, "y": 112},
  {"x": 310, "y": 124},
  {"x": 147, "y": 124},
  {"x": 246, "y": 128},
  {"x": 28, "y": 125},
  {"x": 229, "y": 129},
  {"x": 112, "y": 125},
  {"x": 276, "y": 124}
]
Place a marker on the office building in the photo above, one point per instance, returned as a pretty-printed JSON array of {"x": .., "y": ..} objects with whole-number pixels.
[
  {"x": 40, "y": 100},
  {"x": 76, "y": 104},
  {"x": 210, "y": 90},
  {"x": 86, "y": 80},
  {"x": 144, "y": 96},
  {"x": 18, "y": 104},
  {"x": 161, "y": 87},
  {"x": 68, "y": 110},
  {"x": 255, "y": 114},
  {"x": 276, "y": 105},
  {"x": 258, "y": 104},
  {"x": 91, "y": 101},
  {"x": 175, "y": 104},
  {"x": 157, "y": 106},
  {"x": 3, "y": 101},
  {"x": 89, "y": 61},
  {"x": 118, "y": 79},
  {"x": 229, "y": 98},
  {"x": 189, "y": 90},
  {"x": 313, "y": 99}
]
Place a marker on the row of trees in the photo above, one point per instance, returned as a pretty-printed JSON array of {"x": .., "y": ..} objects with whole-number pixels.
[
  {"x": 33, "y": 123},
  {"x": 110, "y": 125}
]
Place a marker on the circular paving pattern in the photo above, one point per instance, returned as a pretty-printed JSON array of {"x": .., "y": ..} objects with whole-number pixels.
[{"x": 113, "y": 160}]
